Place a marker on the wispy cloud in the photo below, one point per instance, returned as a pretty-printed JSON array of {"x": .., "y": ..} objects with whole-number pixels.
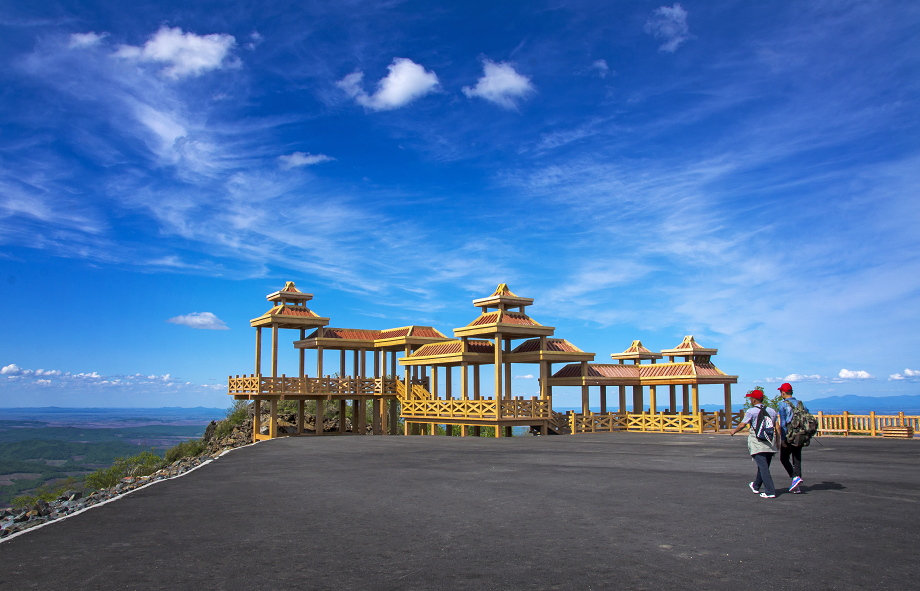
[
  {"x": 185, "y": 54},
  {"x": 500, "y": 84},
  {"x": 669, "y": 23},
  {"x": 406, "y": 82},
  {"x": 300, "y": 159},
  {"x": 80, "y": 40},
  {"x": 202, "y": 320}
]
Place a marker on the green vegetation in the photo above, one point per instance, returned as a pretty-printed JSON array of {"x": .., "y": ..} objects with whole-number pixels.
[
  {"x": 770, "y": 402},
  {"x": 143, "y": 464},
  {"x": 237, "y": 414},
  {"x": 47, "y": 492},
  {"x": 190, "y": 448}
]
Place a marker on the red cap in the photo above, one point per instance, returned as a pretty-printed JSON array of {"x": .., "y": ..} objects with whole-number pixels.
[
  {"x": 787, "y": 387},
  {"x": 756, "y": 395}
]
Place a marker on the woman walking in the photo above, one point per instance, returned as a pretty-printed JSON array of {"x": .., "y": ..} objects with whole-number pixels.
[{"x": 763, "y": 441}]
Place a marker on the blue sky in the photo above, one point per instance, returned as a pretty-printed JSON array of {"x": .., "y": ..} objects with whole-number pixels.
[{"x": 744, "y": 172}]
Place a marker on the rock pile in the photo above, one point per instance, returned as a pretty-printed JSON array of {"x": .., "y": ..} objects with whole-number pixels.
[{"x": 12, "y": 521}]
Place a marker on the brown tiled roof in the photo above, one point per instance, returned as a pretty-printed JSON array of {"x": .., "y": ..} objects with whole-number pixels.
[
  {"x": 663, "y": 370},
  {"x": 504, "y": 318},
  {"x": 707, "y": 369},
  {"x": 289, "y": 286},
  {"x": 454, "y": 348},
  {"x": 351, "y": 333},
  {"x": 636, "y": 347},
  {"x": 659, "y": 370},
  {"x": 426, "y": 331},
  {"x": 689, "y": 343},
  {"x": 502, "y": 290},
  {"x": 394, "y": 332},
  {"x": 598, "y": 370},
  {"x": 560, "y": 345},
  {"x": 281, "y": 310}
]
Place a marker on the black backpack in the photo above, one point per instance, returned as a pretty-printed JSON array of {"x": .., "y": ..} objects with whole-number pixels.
[
  {"x": 802, "y": 426},
  {"x": 763, "y": 426}
]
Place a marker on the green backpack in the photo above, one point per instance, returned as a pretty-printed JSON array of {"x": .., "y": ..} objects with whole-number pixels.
[{"x": 802, "y": 427}]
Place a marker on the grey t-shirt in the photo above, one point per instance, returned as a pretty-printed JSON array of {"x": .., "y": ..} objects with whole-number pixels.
[{"x": 757, "y": 446}]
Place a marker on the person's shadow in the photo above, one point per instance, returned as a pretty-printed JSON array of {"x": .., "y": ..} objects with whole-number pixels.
[{"x": 823, "y": 486}]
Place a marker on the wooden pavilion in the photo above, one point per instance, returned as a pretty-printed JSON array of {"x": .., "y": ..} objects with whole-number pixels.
[{"x": 501, "y": 336}]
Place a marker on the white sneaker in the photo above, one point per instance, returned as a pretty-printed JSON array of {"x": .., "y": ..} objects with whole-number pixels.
[
  {"x": 766, "y": 496},
  {"x": 753, "y": 490}
]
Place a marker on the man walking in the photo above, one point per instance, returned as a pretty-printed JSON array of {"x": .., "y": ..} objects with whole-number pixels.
[
  {"x": 763, "y": 440},
  {"x": 794, "y": 468}
]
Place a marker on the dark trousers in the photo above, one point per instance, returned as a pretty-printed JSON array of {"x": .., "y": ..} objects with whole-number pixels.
[
  {"x": 763, "y": 472},
  {"x": 793, "y": 468}
]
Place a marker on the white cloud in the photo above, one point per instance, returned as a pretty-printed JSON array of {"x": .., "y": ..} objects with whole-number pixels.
[
  {"x": 203, "y": 320},
  {"x": 187, "y": 54},
  {"x": 855, "y": 375},
  {"x": 895, "y": 376},
  {"x": 81, "y": 40},
  {"x": 669, "y": 24},
  {"x": 796, "y": 377},
  {"x": 406, "y": 82},
  {"x": 298, "y": 159},
  {"x": 257, "y": 39},
  {"x": 527, "y": 377},
  {"x": 10, "y": 370},
  {"x": 912, "y": 373},
  {"x": 601, "y": 68},
  {"x": 500, "y": 84}
]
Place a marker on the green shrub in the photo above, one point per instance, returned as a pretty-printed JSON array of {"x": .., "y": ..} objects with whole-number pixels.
[
  {"x": 47, "y": 492},
  {"x": 236, "y": 415},
  {"x": 770, "y": 402},
  {"x": 190, "y": 448},
  {"x": 143, "y": 464}
]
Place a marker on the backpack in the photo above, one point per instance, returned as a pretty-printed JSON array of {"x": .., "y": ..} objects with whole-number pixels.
[
  {"x": 802, "y": 426},
  {"x": 763, "y": 426}
]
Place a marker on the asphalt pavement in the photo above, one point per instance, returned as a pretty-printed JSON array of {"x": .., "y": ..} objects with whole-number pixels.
[{"x": 604, "y": 511}]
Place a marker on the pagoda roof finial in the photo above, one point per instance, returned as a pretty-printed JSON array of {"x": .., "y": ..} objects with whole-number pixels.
[
  {"x": 289, "y": 293},
  {"x": 503, "y": 296}
]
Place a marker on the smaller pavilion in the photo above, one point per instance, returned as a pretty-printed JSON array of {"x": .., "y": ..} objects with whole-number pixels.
[{"x": 695, "y": 369}]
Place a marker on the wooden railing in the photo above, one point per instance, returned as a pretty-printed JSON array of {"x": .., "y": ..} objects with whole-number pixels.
[
  {"x": 444, "y": 410},
  {"x": 255, "y": 385},
  {"x": 871, "y": 424},
  {"x": 701, "y": 422}
]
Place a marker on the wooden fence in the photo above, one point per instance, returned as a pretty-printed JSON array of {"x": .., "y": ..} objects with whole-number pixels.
[
  {"x": 870, "y": 424},
  {"x": 659, "y": 422},
  {"x": 444, "y": 410},
  {"x": 255, "y": 385}
]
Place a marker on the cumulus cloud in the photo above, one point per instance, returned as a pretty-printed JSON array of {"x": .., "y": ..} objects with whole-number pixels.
[
  {"x": 202, "y": 320},
  {"x": 298, "y": 159},
  {"x": 669, "y": 23},
  {"x": 186, "y": 54},
  {"x": 11, "y": 370},
  {"x": 500, "y": 84},
  {"x": 908, "y": 373},
  {"x": 406, "y": 82},
  {"x": 80, "y": 40},
  {"x": 855, "y": 375},
  {"x": 527, "y": 377}
]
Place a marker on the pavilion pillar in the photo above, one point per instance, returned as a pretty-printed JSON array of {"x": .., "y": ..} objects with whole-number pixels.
[
  {"x": 273, "y": 418},
  {"x": 362, "y": 415},
  {"x": 300, "y": 412},
  {"x": 274, "y": 350},
  {"x": 696, "y": 398},
  {"x": 319, "y": 363},
  {"x": 343, "y": 407},
  {"x": 303, "y": 352},
  {"x": 360, "y": 401},
  {"x": 673, "y": 399},
  {"x": 379, "y": 419},
  {"x": 603, "y": 400},
  {"x": 258, "y": 350},
  {"x": 498, "y": 383},
  {"x": 638, "y": 404},
  {"x": 477, "y": 430},
  {"x": 448, "y": 395},
  {"x": 464, "y": 390},
  {"x": 652, "y": 400},
  {"x": 585, "y": 406},
  {"x": 394, "y": 416},
  {"x": 728, "y": 406},
  {"x": 318, "y": 419},
  {"x": 256, "y": 419},
  {"x": 622, "y": 408},
  {"x": 393, "y": 373},
  {"x": 508, "y": 393},
  {"x": 686, "y": 401}
]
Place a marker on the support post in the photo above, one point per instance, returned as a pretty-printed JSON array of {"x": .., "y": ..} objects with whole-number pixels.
[
  {"x": 256, "y": 419},
  {"x": 652, "y": 400},
  {"x": 300, "y": 408},
  {"x": 673, "y": 399},
  {"x": 622, "y": 407},
  {"x": 696, "y": 398},
  {"x": 728, "y": 406},
  {"x": 508, "y": 394},
  {"x": 274, "y": 350},
  {"x": 585, "y": 406},
  {"x": 343, "y": 405},
  {"x": 258, "y": 350},
  {"x": 603, "y": 400},
  {"x": 686, "y": 402},
  {"x": 303, "y": 334},
  {"x": 273, "y": 418},
  {"x": 477, "y": 430},
  {"x": 498, "y": 381},
  {"x": 318, "y": 419},
  {"x": 638, "y": 404}
]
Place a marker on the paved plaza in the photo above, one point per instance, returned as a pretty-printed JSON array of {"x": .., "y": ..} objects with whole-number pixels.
[{"x": 603, "y": 511}]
